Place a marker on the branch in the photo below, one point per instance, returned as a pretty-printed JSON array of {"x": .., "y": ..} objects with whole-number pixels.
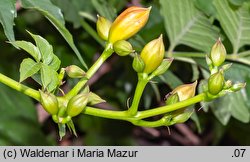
[{"x": 19, "y": 87}]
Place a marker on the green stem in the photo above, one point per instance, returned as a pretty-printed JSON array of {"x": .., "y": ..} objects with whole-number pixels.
[
  {"x": 124, "y": 115},
  {"x": 104, "y": 56},
  {"x": 169, "y": 108},
  {"x": 19, "y": 87},
  {"x": 157, "y": 123},
  {"x": 142, "y": 82},
  {"x": 111, "y": 114}
]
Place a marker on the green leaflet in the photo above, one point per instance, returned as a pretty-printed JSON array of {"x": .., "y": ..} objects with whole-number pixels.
[
  {"x": 7, "y": 15},
  {"x": 28, "y": 68},
  {"x": 185, "y": 24}
]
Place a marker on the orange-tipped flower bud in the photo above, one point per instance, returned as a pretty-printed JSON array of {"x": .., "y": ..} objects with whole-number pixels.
[
  {"x": 218, "y": 53},
  {"x": 128, "y": 23},
  {"x": 152, "y": 54},
  {"x": 185, "y": 91},
  {"x": 102, "y": 26}
]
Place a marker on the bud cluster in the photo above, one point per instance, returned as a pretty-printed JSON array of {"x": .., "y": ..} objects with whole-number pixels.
[{"x": 217, "y": 85}]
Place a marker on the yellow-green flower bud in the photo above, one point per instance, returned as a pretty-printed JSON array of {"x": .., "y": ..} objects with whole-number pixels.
[
  {"x": 138, "y": 64},
  {"x": 152, "y": 54},
  {"x": 122, "y": 48},
  {"x": 128, "y": 23},
  {"x": 74, "y": 71},
  {"x": 216, "y": 83},
  {"x": 49, "y": 102},
  {"x": 77, "y": 104},
  {"x": 185, "y": 91},
  {"x": 102, "y": 26},
  {"x": 218, "y": 53},
  {"x": 165, "y": 64}
]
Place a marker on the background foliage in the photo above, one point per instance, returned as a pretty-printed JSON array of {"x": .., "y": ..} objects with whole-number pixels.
[{"x": 190, "y": 28}]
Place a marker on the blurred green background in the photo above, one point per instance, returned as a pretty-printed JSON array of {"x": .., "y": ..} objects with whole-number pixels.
[{"x": 189, "y": 27}]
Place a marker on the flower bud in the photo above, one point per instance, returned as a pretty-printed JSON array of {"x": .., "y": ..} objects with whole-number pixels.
[
  {"x": 163, "y": 67},
  {"x": 128, "y": 23},
  {"x": 228, "y": 84},
  {"x": 216, "y": 83},
  {"x": 74, "y": 71},
  {"x": 122, "y": 48},
  {"x": 138, "y": 64},
  {"x": 237, "y": 86},
  {"x": 77, "y": 104},
  {"x": 102, "y": 26},
  {"x": 226, "y": 66},
  {"x": 152, "y": 54},
  {"x": 182, "y": 115},
  {"x": 49, "y": 102},
  {"x": 172, "y": 99},
  {"x": 218, "y": 53},
  {"x": 185, "y": 91}
]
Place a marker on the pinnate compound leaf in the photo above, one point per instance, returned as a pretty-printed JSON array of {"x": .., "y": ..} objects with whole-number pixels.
[
  {"x": 54, "y": 15},
  {"x": 28, "y": 47},
  {"x": 7, "y": 15},
  {"x": 235, "y": 23},
  {"x": 28, "y": 68},
  {"x": 185, "y": 24}
]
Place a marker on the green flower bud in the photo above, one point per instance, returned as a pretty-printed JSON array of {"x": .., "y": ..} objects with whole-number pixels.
[
  {"x": 138, "y": 64},
  {"x": 74, "y": 71},
  {"x": 216, "y": 83},
  {"x": 185, "y": 91},
  {"x": 182, "y": 115},
  {"x": 122, "y": 48},
  {"x": 77, "y": 104},
  {"x": 102, "y": 26},
  {"x": 152, "y": 54},
  {"x": 163, "y": 67},
  {"x": 226, "y": 66},
  {"x": 218, "y": 53},
  {"x": 237, "y": 87},
  {"x": 172, "y": 99},
  {"x": 49, "y": 102}
]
